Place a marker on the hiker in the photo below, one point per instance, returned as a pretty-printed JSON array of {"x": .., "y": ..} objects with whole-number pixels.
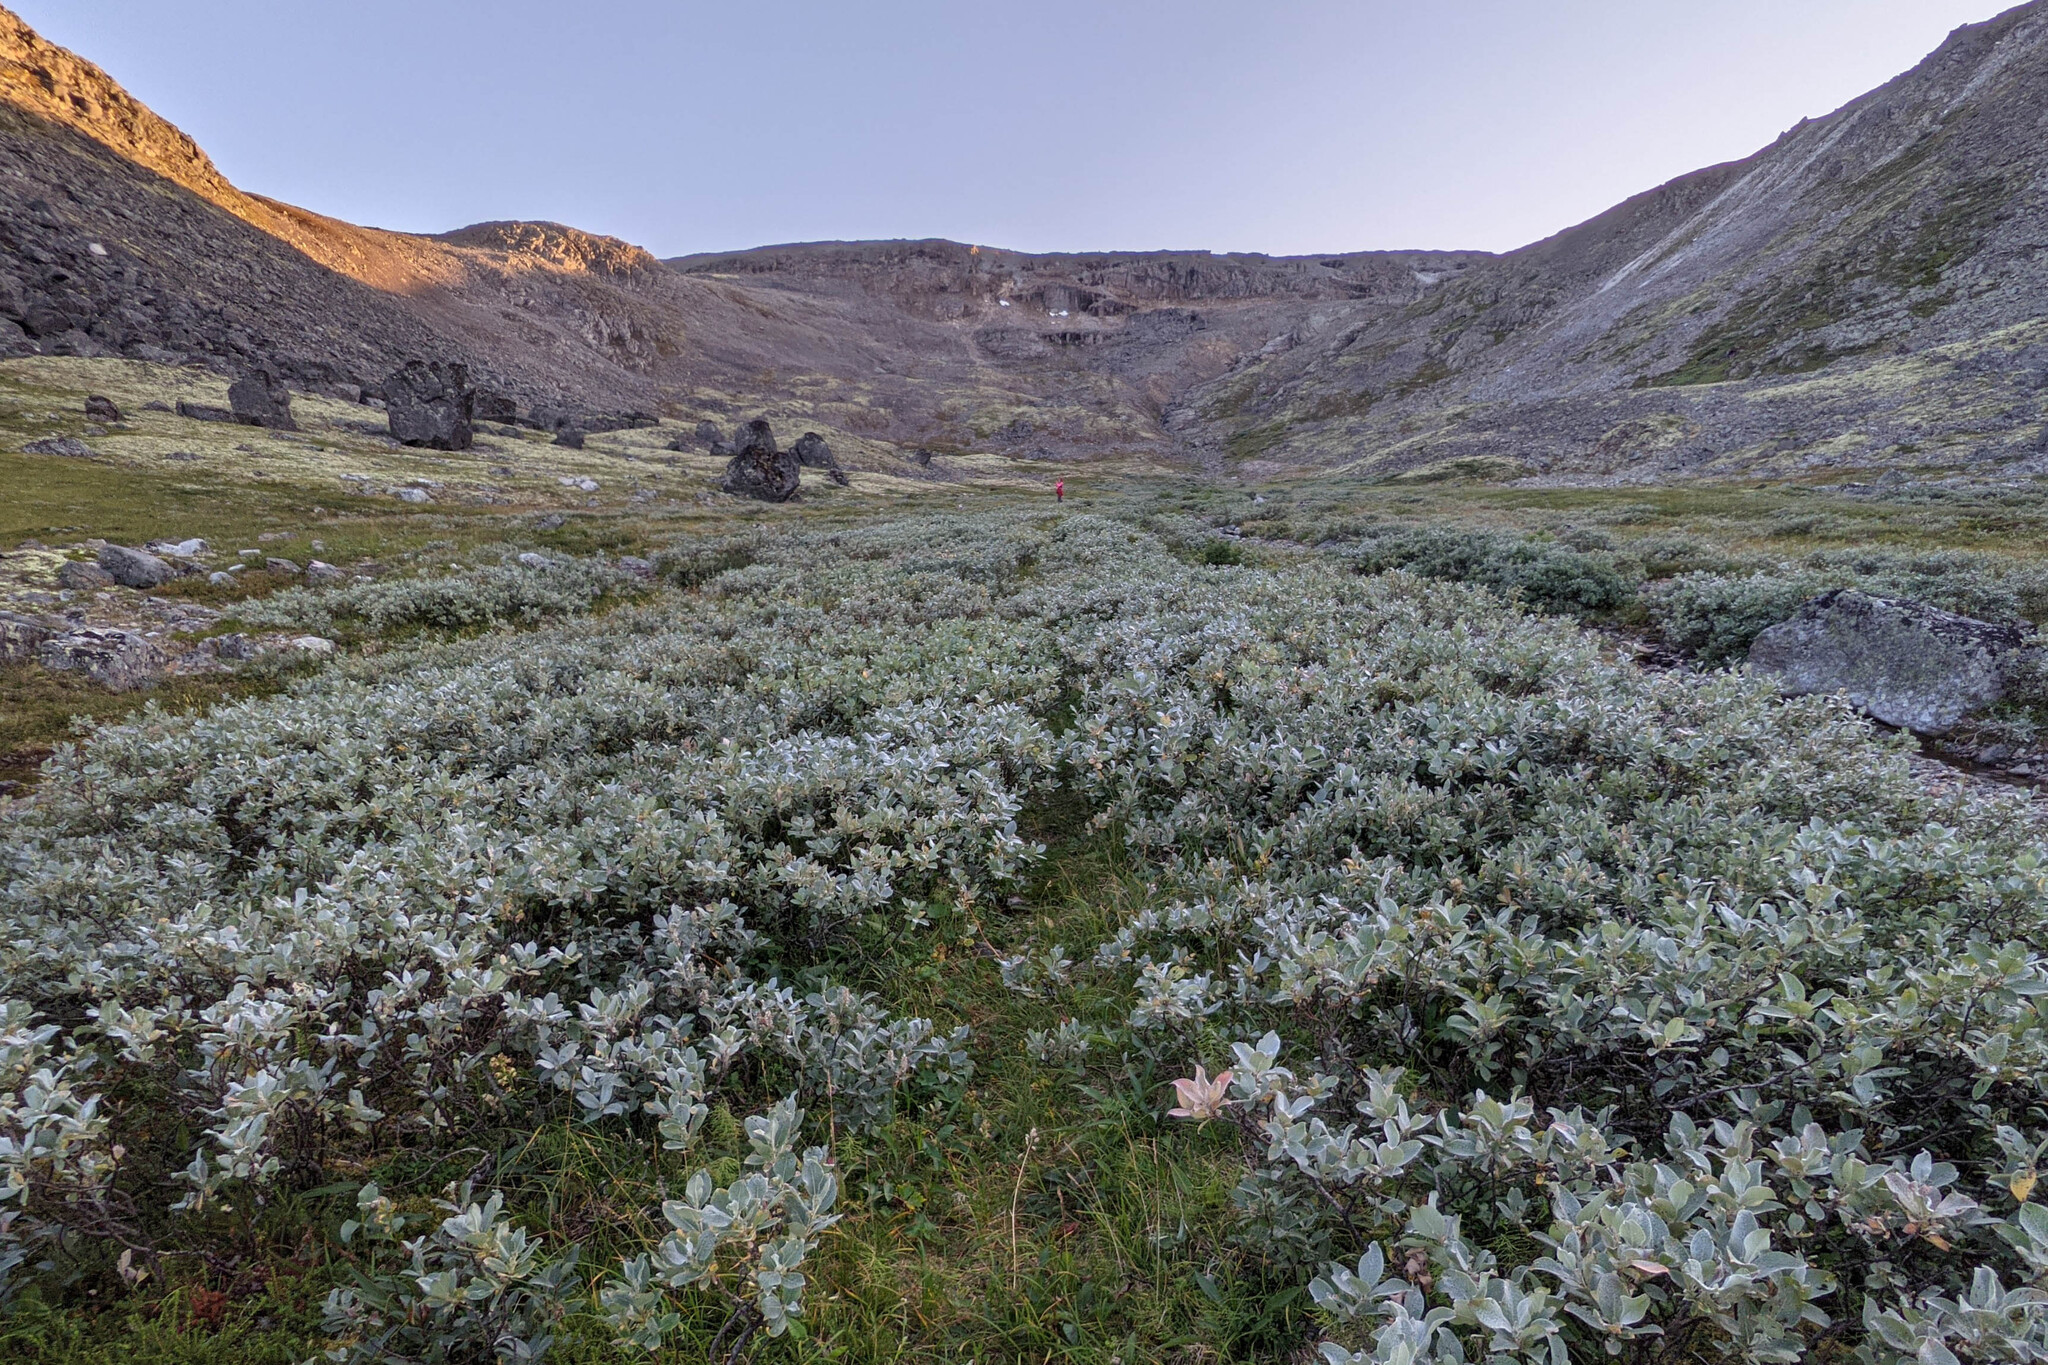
[{"x": 1059, "y": 491}]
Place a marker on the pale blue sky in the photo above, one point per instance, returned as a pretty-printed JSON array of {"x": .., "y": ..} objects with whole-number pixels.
[{"x": 1281, "y": 126}]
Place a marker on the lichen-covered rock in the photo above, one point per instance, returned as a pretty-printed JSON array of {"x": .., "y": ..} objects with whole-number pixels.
[
  {"x": 60, "y": 445},
  {"x": 1904, "y": 662},
  {"x": 135, "y": 568},
  {"x": 20, "y": 637},
  {"x": 118, "y": 660},
  {"x": 759, "y": 470},
  {"x": 100, "y": 408},
  {"x": 83, "y": 575},
  {"x": 260, "y": 399},
  {"x": 431, "y": 405}
]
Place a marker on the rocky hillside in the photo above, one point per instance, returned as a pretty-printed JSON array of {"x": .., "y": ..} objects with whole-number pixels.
[
  {"x": 1783, "y": 309},
  {"x": 1869, "y": 290}
]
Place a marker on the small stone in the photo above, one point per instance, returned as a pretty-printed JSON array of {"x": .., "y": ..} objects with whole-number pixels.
[
  {"x": 220, "y": 578},
  {"x": 638, "y": 567},
  {"x": 135, "y": 568},
  {"x": 236, "y": 647},
  {"x": 577, "y": 482},
  {"x": 156, "y": 405},
  {"x": 204, "y": 412},
  {"x": 320, "y": 571},
  {"x": 277, "y": 564},
  {"x": 100, "y": 408},
  {"x": 536, "y": 561},
  {"x": 411, "y": 495},
  {"x": 318, "y": 645}
]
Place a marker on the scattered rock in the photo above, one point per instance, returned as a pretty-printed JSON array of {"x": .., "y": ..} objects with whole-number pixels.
[
  {"x": 759, "y": 470},
  {"x": 118, "y": 660},
  {"x": 318, "y": 645},
  {"x": 135, "y": 568},
  {"x": 320, "y": 571},
  {"x": 60, "y": 445},
  {"x": 536, "y": 561},
  {"x": 431, "y": 405},
  {"x": 20, "y": 637},
  {"x": 707, "y": 434},
  {"x": 183, "y": 549},
  {"x": 570, "y": 437},
  {"x": 260, "y": 399},
  {"x": 581, "y": 484},
  {"x": 1904, "y": 662},
  {"x": 237, "y": 647},
  {"x": 550, "y": 521},
  {"x": 277, "y": 564},
  {"x": 204, "y": 412},
  {"x": 722, "y": 449},
  {"x": 411, "y": 494},
  {"x": 923, "y": 457},
  {"x": 636, "y": 566},
  {"x": 156, "y": 405},
  {"x": 100, "y": 408},
  {"x": 181, "y": 455},
  {"x": 221, "y": 577},
  {"x": 83, "y": 575}
]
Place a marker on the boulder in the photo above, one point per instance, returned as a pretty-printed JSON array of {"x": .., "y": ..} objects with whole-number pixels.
[
  {"x": 923, "y": 458},
  {"x": 20, "y": 637},
  {"x": 276, "y": 564},
  {"x": 82, "y": 575},
  {"x": 759, "y": 470},
  {"x": 237, "y": 647},
  {"x": 431, "y": 405},
  {"x": 708, "y": 433},
  {"x": 118, "y": 660},
  {"x": 492, "y": 406},
  {"x": 260, "y": 399},
  {"x": 100, "y": 408},
  {"x": 135, "y": 568},
  {"x": 570, "y": 437},
  {"x": 1903, "y": 662},
  {"x": 813, "y": 453},
  {"x": 60, "y": 445},
  {"x": 204, "y": 412},
  {"x": 317, "y": 645},
  {"x": 320, "y": 571}
]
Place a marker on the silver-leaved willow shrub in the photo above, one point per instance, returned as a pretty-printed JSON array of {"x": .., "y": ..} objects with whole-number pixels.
[{"x": 1567, "y": 1011}]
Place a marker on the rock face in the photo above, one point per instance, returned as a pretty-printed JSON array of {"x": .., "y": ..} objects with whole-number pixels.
[
  {"x": 260, "y": 399},
  {"x": 135, "y": 568},
  {"x": 118, "y": 660},
  {"x": 1905, "y": 663},
  {"x": 431, "y": 405},
  {"x": 759, "y": 470}
]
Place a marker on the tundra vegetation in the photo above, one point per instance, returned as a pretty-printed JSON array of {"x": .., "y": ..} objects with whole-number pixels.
[{"x": 1028, "y": 936}]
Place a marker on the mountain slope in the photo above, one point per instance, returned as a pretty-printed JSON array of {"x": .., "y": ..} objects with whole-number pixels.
[{"x": 1915, "y": 217}]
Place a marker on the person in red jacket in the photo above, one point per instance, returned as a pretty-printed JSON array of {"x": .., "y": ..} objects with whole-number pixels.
[{"x": 1059, "y": 491}]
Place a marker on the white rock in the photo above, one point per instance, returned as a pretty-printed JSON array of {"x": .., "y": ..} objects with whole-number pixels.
[
  {"x": 314, "y": 644},
  {"x": 218, "y": 576},
  {"x": 411, "y": 495},
  {"x": 534, "y": 561}
]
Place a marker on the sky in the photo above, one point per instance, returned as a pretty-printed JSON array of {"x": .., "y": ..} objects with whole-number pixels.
[{"x": 1283, "y": 126}]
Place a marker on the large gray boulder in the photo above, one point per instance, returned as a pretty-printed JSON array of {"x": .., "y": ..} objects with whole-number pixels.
[
  {"x": 135, "y": 568},
  {"x": 759, "y": 470},
  {"x": 1903, "y": 662},
  {"x": 260, "y": 399},
  {"x": 118, "y": 660},
  {"x": 431, "y": 405}
]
